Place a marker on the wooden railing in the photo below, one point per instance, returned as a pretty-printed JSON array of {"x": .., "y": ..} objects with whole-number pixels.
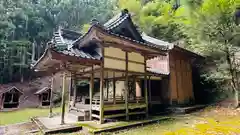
[{"x": 118, "y": 100}]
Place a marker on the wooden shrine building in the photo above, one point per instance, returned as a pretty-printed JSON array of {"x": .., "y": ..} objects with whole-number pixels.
[{"x": 127, "y": 71}]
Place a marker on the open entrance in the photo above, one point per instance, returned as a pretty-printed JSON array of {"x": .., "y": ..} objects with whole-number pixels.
[
  {"x": 11, "y": 98},
  {"x": 46, "y": 98},
  {"x": 44, "y": 95}
]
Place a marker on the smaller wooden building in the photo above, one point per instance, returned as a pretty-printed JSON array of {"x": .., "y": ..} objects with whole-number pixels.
[
  {"x": 34, "y": 93},
  {"x": 44, "y": 95},
  {"x": 9, "y": 98},
  {"x": 127, "y": 71}
]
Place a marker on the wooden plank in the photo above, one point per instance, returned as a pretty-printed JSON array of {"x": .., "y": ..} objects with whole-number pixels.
[
  {"x": 51, "y": 96},
  {"x": 115, "y": 115},
  {"x": 63, "y": 97},
  {"x": 190, "y": 82},
  {"x": 181, "y": 73},
  {"x": 91, "y": 88},
  {"x": 122, "y": 107},
  {"x": 179, "y": 82},
  {"x": 145, "y": 85},
  {"x": 95, "y": 116},
  {"x": 136, "y": 113},
  {"x": 114, "y": 64},
  {"x": 126, "y": 87},
  {"x": 135, "y": 67},
  {"x": 137, "y": 57},
  {"x": 121, "y": 59},
  {"x": 185, "y": 81}
]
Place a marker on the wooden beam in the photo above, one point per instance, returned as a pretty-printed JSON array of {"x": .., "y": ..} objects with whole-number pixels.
[
  {"x": 145, "y": 87},
  {"x": 91, "y": 88},
  {"x": 101, "y": 113},
  {"x": 114, "y": 89},
  {"x": 51, "y": 96},
  {"x": 63, "y": 97},
  {"x": 126, "y": 87}
]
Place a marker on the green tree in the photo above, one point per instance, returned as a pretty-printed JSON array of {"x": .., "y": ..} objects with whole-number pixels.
[{"x": 26, "y": 24}]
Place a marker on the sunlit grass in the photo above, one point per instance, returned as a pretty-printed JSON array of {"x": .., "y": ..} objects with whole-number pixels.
[
  {"x": 209, "y": 122},
  {"x": 23, "y": 115}
]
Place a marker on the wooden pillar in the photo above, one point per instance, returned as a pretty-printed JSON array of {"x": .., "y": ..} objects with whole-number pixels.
[
  {"x": 149, "y": 89},
  {"x": 101, "y": 110},
  {"x": 51, "y": 97},
  {"x": 63, "y": 97},
  {"x": 91, "y": 88},
  {"x": 107, "y": 83},
  {"x": 126, "y": 88},
  {"x": 114, "y": 88},
  {"x": 101, "y": 97},
  {"x": 145, "y": 86},
  {"x": 74, "y": 83}
]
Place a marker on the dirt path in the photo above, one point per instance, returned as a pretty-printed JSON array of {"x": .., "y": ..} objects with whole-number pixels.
[{"x": 27, "y": 128}]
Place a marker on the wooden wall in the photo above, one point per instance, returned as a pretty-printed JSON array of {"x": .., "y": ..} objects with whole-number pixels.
[
  {"x": 115, "y": 58},
  {"x": 181, "y": 89}
]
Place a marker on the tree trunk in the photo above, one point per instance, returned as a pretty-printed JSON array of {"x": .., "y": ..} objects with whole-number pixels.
[
  {"x": 232, "y": 71},
  {"x": 236, "y": 103}
]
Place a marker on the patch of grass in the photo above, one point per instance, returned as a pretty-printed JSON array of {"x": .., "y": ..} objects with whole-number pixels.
[
  {"x": 208, "y": 122},
  {"x": 92, "y": 128},
  {"x": 23, "y": 115}
]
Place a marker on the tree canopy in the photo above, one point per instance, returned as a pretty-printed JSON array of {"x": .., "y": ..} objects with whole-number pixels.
[{"x": 27, "y": 24}]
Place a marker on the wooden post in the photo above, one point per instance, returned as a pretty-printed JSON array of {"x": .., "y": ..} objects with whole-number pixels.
[
  {"x": 63, "y": 97},
  {"x": 149, "y": 89},
  {"x": 91, "y": 88},
  {"x": 51, "y": 97},
  {"x": 101, "y": 113},
  {"x": 114, "y": 89},
  {"x": 145, "y": 86},
  {"x": 107, "y": 83},
  {"x": 101, "y": 97},
  {"x": 74, "y": 83},
  {"x": 126, "y": 87}
]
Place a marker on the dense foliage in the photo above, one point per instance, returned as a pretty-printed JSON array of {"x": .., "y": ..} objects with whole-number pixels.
[
  {"x": 26, "y": 26},
  {"x": 208, "y": 27}
]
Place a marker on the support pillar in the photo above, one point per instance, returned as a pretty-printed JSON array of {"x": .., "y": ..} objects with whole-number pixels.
[
  {"x": 126, "y": 88},
  {"x": 74, "y": 83},
  {"x": 51, "y": 97},
  {"x": 101, "y": 97},
  {"x": 149, "y": 90},
  {"x": 63, "y": 97},
  {"x": 114, "y": 88},
  {"x": 91, "y": 88},
  {"x": 145, "y": 86},
  {"x": 107, "y": 83}
]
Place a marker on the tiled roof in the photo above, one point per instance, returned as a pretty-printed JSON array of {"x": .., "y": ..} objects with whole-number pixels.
[
  {"x": 80, "y": 53},
  {"x": 7, "y": 87},
  {"x": 42, "y": 90},
  {"x": 66, "y": 41},
  {"x": 157, "y": 42},
  {"x": 63, "y": 43},
  {"x": 115, "y": 21}
]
